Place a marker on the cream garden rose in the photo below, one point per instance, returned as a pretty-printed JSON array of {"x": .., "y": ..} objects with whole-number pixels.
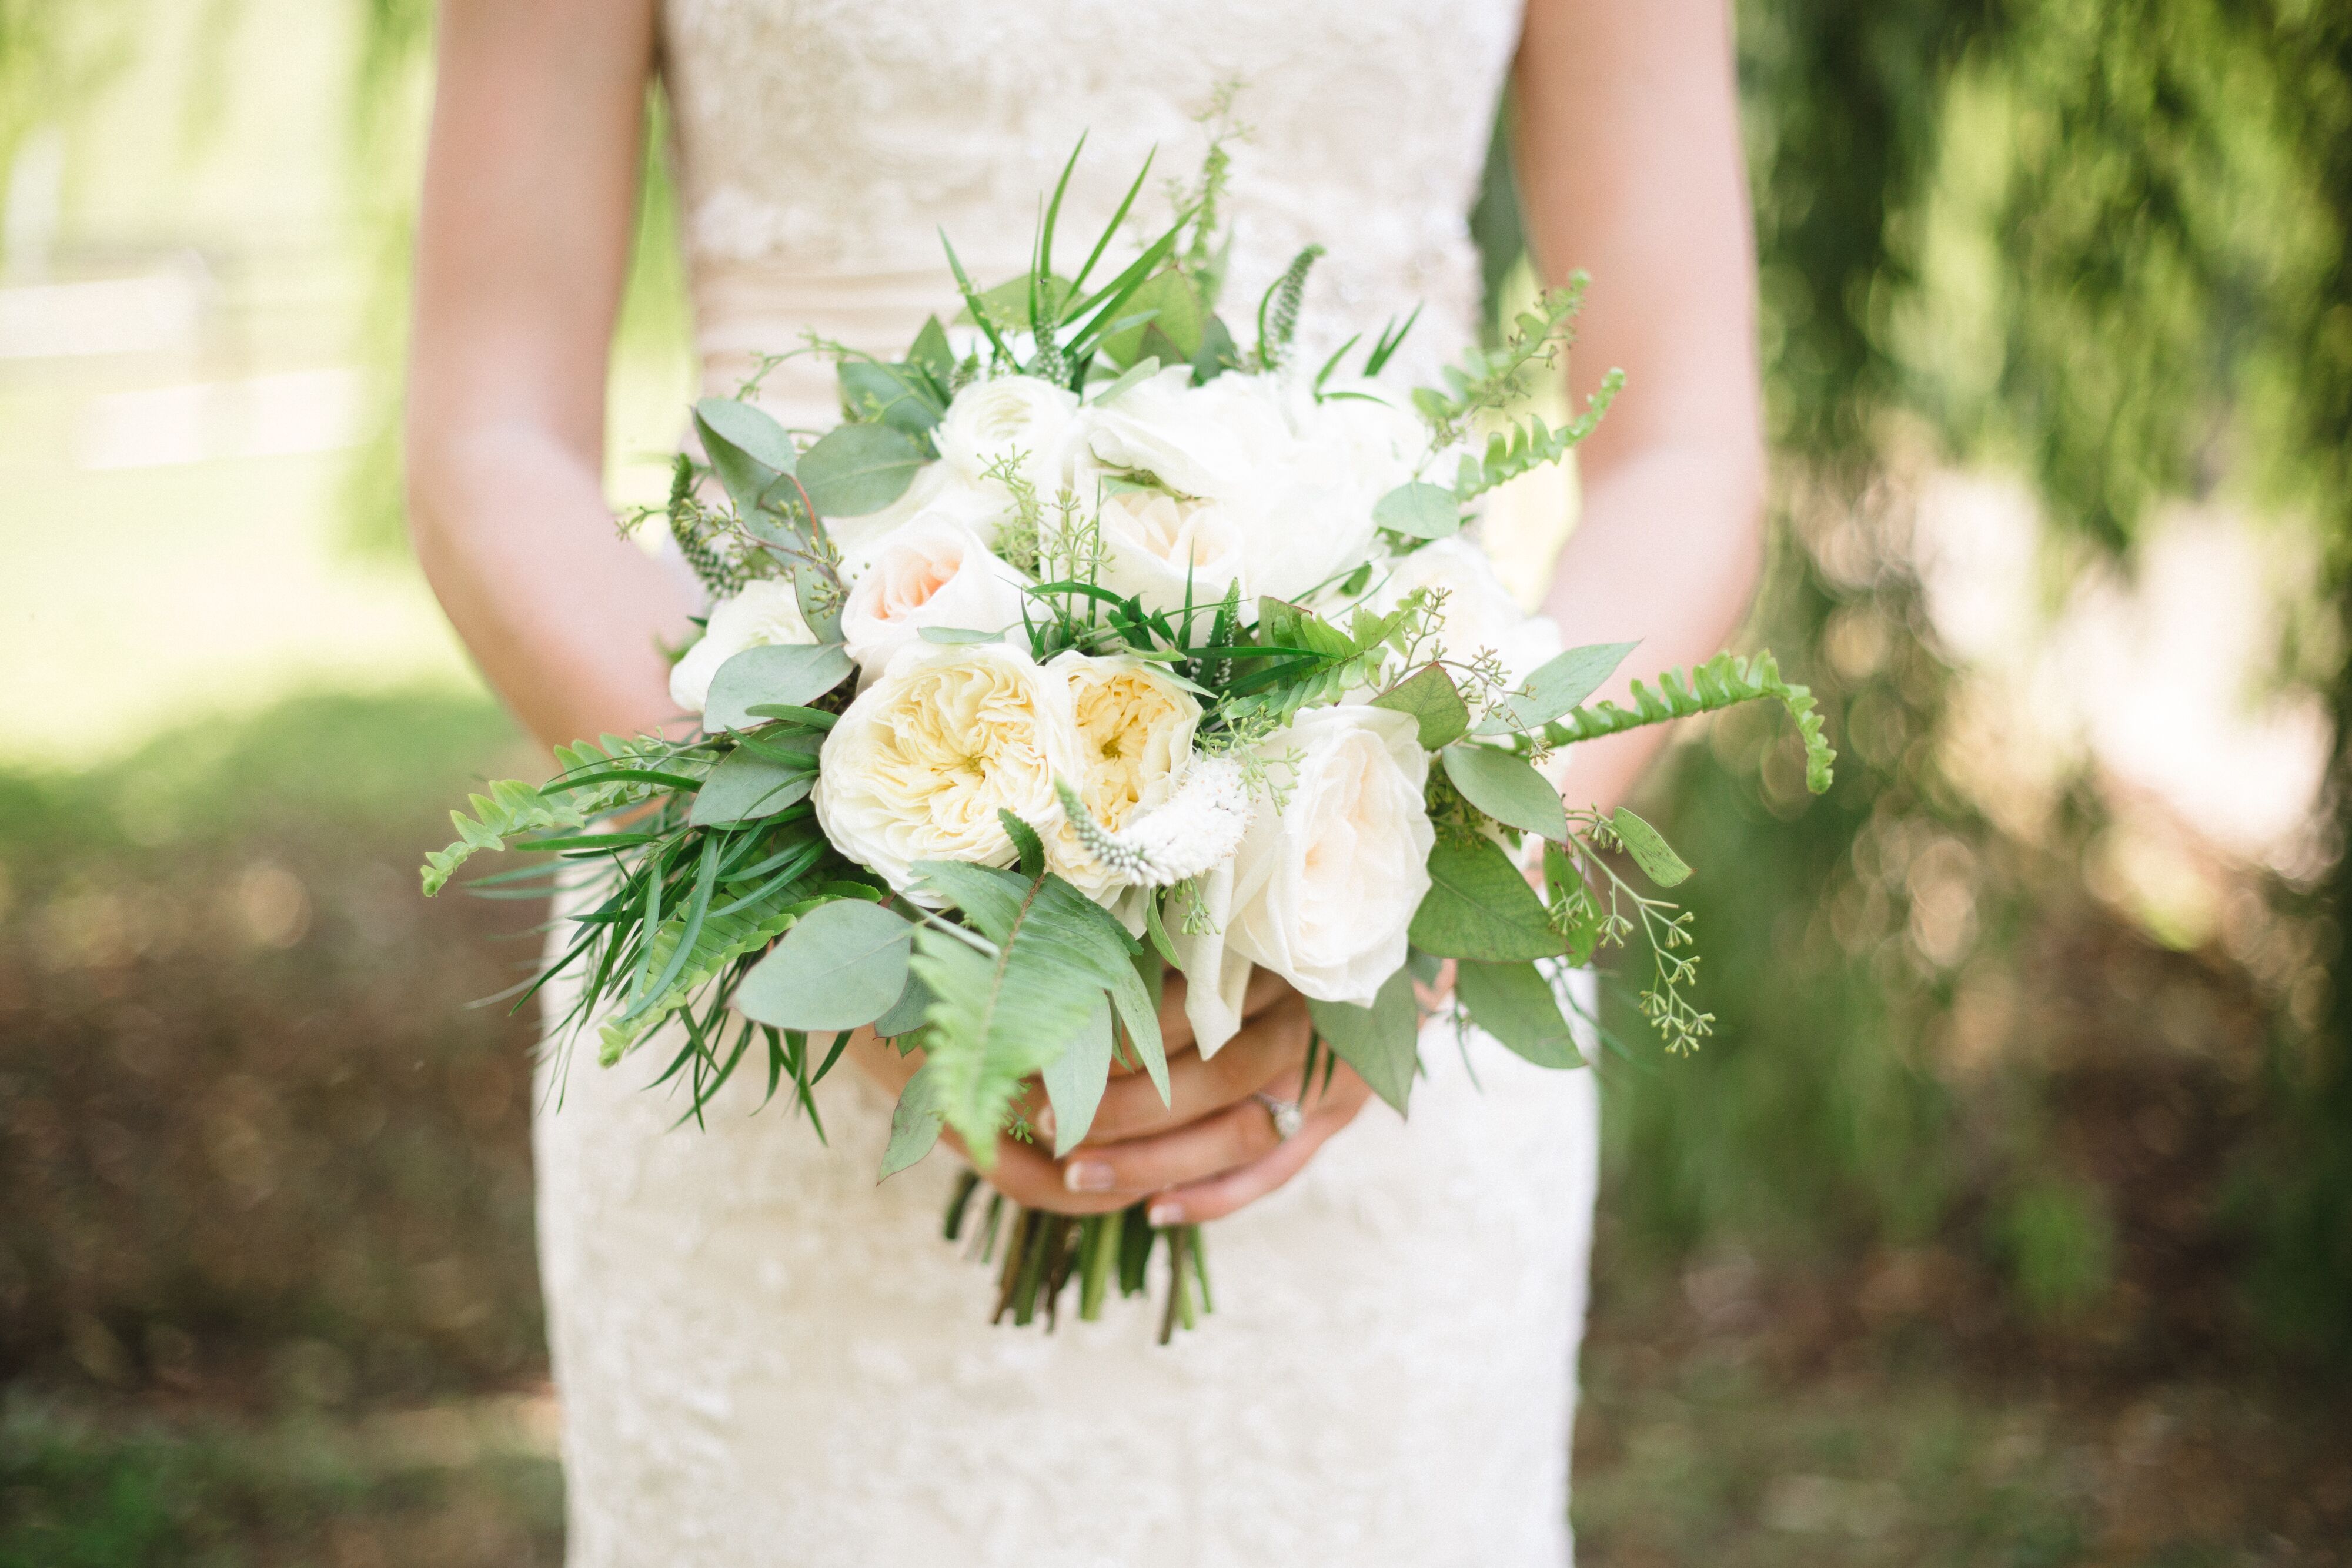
[
  {"x": 937, "y": 490},
  {"x": 766, "y": 612},
  {"x": 920, "y": 763},
  {"x": 1135, "y": 730},
  {"x": 1277, "y": 510},
  {"x": 934, "y": 572},
  {"x": 1322, "y": 890},
  {"x": 990, "y": 420},
  {"x": 1154, "y": 544},
  {"x": 1219, "y": 441}
]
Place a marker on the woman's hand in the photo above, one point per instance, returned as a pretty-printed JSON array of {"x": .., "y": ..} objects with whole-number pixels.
[{"x": 1211, "y": 1150}]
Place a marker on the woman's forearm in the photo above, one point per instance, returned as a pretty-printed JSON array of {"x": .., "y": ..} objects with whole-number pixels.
[
  {"x": 1631, "y": 168},
  {"x": 522, "y": 250},
  {"x": 564, "y": 616}
]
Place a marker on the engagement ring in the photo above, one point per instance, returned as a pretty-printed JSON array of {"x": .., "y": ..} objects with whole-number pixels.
[{"x": 1286, "y": 1119}]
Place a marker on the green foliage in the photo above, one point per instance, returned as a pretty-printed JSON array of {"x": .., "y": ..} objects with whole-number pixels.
[
  {"x": 1507, "y": 788},
  {"x": 1516, "y": 1004},
  {"x": 779, "y": 674},
  {"x": 1074, "y": 1079},
  {"x": 841, "y": 966},
  {"x": 1278, "y": 312},
  {"x": 1420, "y": 511},
  {"x": 1649, "y": 849},
  {"x": 855, "y": 469},
  {"x": 746, "y": 786},
  {"x": 1492, "y": 380},
  {"x": 592, "y": 779},
  {"x": 1528, "y": 444},
  {"x": 1556, "y": 685},
  {"x": 1722, "y": 682},
  {"x": 1435, "y": 704},
  {"x": 686, "y": 953},
  {"x": 1009, "y": 1000},
  {"x": 1381, "y": 1043},
  {"x": 1479, "y": 906}
]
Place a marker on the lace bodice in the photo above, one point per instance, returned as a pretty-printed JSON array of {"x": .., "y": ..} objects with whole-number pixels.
[
  {"x": 765, "y": 1358},
  {"x": 825, "y": 144}
]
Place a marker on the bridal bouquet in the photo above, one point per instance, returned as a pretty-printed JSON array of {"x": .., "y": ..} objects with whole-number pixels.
[{"x": 1096, "y": 640}]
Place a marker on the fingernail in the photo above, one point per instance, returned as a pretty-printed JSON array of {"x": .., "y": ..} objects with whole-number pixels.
[
  {"x": 1087, "y": 1175},
  {"x": 1044, "y": 1122},
  {"x": 1165, "y": 1214}
]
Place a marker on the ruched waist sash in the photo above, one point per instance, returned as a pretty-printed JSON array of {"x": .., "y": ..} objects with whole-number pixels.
[{"x": 743, "y": 309}]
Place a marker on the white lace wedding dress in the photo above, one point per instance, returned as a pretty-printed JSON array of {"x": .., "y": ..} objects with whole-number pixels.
[{"x": 767, "y": 1359}]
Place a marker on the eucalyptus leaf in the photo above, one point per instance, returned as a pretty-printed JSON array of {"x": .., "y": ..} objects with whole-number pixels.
[
  {"x": 914, "y": 1124},
  {"x": 1142, "y": 370},
  {"x": 1649, "y": 849},
  {"x": 1176, "y": 321},
  {"x": 898, "y": 395},
  {"x": 1507, "y": 788},
  {"x": 905, "y": 1014},
  {"x": 858, "y": 468},
  {"x": 1557, "y": 685},
  {"x": 794, "y": 673},
  {"x": 842, "y": 965},
  {"x": 1479, "y": 906},
  {"x": 746, "y": 787},
  {"x": 748, "y": 450},
  {"x": 1007, "y": 304},
  {"x": 1381, "y": 1043},
  {"x": 930, "y": 350},
  {"x": 1435, "y": 704},
  {"x": 1516, "y": 1004},
  {"x": 1076, "y": 1079},
  {"x": 1421, "y": 511}
]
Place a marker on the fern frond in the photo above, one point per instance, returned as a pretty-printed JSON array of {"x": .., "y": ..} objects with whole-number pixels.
[
  {"x": 1278, "y": 312},
  {"x": 1530, "y": 442},
  {"x": 614, "y": 772},
  {"x": 999, "y": 1017},
  {"x": 510, "y": 807},
  {"x": 1724, "y": 681},
  {"x": 726, "y": 935}
]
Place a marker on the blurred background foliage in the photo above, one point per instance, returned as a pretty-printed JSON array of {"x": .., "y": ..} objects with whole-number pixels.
[{"x": 2008, "y": 1216}]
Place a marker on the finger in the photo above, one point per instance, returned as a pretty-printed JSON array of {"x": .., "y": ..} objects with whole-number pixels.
[
  {"x": 1175, "y": 1029},
  {"x": 1264, "y": 988},
  {"x": 1196, "y": 1203},
  {"x": 1220, "y": 1142},
  {"x": 1026, "y": 1176},
  {"x": 1272, "y": 1043}
]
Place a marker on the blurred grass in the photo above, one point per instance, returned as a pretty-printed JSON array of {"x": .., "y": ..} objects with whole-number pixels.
[
  {"x": 470, "y": 1487},
  {"x": 253, "y": 1137}
]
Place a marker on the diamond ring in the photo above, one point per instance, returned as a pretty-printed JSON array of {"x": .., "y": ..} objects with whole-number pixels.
[{"x": 1286, "y": 1115}]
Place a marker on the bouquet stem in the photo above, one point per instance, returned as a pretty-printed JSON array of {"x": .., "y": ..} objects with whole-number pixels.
[{"x": 1043, "y": 1252}]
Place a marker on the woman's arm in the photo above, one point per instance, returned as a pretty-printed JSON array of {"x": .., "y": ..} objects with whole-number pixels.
[
  {"x": 1631, "y": 168},
  {"x": 522, "y": 249}
]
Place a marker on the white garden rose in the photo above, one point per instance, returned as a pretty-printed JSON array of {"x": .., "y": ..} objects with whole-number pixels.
[
  {"x": 1154, "y": 544},
  {"x": 1135, "y": 732},
  {"x": 920, "y": 763},
  {"x": 1223, "y": 440},
  {"x": 766, "y": 612},
  {"x": 991, "y": 419},
  {"x": 934, "y": 572},
  {"x": 1309, "y": 527},
  {"x": 1366, "y": 430},
  {"x": 1479, "y": 613},
  {"x": 937, "y": 490},
  {"x": 1324, "y": 889}
]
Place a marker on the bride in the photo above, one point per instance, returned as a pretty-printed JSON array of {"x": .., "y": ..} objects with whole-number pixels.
[{"x": 764, "y": 1357}]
